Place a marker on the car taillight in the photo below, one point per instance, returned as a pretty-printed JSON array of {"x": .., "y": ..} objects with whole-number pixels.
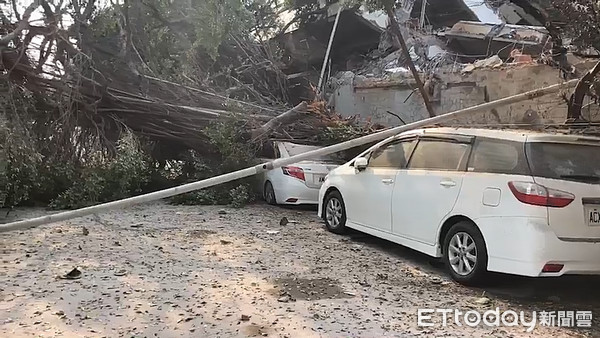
[
  {"x": 535, "y": 194},
  {"x": 294, "y": 172},
  {"x": 552, "y": 267}
]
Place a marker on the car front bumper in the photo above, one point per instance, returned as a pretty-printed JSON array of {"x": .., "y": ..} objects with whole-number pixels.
[{"x": 523, "y": 246}]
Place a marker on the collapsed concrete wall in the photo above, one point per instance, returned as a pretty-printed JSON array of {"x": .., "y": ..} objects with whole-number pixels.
[
  {"x": 393, "y": 101},
  {"x": 388, "y": 102},
  {"x": 500, "y": 83}
]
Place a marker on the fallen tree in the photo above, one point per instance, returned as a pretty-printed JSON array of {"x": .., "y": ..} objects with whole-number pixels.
[
  {"x": 253, "y": 170},
  {"x": 100, "y": 83},
  {"x": 203, "y": 95}
]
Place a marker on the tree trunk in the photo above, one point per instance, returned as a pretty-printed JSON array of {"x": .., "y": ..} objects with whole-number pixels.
[
  {"x": 582, "y": 88},
  {"x": 277, "y": 121},
  {"x": 396, "y": 31}
]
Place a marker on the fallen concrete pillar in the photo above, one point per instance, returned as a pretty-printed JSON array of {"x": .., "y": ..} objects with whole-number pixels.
[{"x": 62, "y": 216}]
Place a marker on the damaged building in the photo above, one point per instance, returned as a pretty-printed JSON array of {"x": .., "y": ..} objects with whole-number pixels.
[{"x": 466, "y": 55}]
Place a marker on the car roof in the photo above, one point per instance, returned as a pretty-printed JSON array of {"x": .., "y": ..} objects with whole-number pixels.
[{"x": 505, "y": 134}]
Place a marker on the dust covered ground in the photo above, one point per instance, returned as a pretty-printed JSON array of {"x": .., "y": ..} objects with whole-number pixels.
[{"x": 159, "y": 270}]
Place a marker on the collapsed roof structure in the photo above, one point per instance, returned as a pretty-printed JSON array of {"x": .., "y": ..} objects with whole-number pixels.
[{"x": 465, "y": 51}]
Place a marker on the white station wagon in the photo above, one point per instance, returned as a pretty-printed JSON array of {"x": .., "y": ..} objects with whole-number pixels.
[{"x": 517, "y": 202}]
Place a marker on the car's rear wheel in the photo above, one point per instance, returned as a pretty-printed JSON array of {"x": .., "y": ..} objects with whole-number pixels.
[
  {"x": 335, "y": 213},
  {"x": 465, "y": 254},
  {"x": 269, "y": 194}
]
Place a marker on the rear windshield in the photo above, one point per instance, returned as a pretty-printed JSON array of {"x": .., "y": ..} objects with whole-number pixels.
[
  {"x": 297, "y": 149},
  {"x": 576, "y": 162}
]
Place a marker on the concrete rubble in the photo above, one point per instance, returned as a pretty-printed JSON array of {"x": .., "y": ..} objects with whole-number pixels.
[{"x": 463, "y": 63}]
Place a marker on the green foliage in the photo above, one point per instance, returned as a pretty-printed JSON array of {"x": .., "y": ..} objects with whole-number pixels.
[
  {"x": 29, "y": 177},
  {"x": 55, "y": 176},
  {"x": 240, "y": 196},
  {"x": 583, "y": 18},
  {"x": 237, "y": 197},
  {"x": 171, "y": 34},
  {"x": 104, "y": 180},
  {"x": 228, "y": 138},
  {"x": 216, "y": 19},
  {"x": 18, "y": 173},
  {"x": 306, "y": 9},
  {"x": 266, "y": 19},
  {"x": 340, "y": 133},
  {"x": 234, "y": 154}
]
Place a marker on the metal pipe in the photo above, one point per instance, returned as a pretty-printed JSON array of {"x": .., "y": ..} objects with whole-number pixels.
[
  {"x": 423, "y": 8},
  {"x": 62, "y": 216},
  {"x": 335, "y": 23}
]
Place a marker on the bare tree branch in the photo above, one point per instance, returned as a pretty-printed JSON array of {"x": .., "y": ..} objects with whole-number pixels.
[
  {"x": 14, "y": 6},
  {"x": 582, "y": 88},
  {"x": 22, "y": 25},
  {"x": 3, "y": 18},
  {"x": 47, "y": 10},
  {"x": 89, "y": 9}
]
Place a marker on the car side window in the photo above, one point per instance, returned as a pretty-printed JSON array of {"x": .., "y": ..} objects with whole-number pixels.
[
  {"x": 498, "y": 157},
  {"x": 439, "y": 155},
  {"x": 277, "y": 152},
  {"x": 392, "y": 155}
]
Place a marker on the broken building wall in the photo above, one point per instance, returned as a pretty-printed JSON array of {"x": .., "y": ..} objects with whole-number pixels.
[
  {"x": 500, "y": 83},
  {"x": 374, "y": 99},
  {"x": 378, "y": 101}
]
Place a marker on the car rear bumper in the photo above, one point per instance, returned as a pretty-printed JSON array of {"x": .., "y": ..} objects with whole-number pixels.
[
  {"x": 296, "y": 193},
  {"x": 523, "y": 246}
]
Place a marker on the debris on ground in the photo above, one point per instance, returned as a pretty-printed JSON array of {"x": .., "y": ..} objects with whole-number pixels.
[
  {"x": 482, "y": 301},
  {"x": 263, "y": 277},
  {"x": 121, "y": 272},
  {"x": 73, "y": 274}
]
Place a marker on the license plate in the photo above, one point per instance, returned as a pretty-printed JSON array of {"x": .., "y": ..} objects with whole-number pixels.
[
  {"x": 592, "y": 214},
  {"x": 321, "y": 179}
]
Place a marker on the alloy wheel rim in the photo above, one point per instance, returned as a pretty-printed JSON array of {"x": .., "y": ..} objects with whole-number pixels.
[
  {"x": 333, "y": 212},
  {"x": 269, "y": 195},
  {"x": 462, "y": 253}
]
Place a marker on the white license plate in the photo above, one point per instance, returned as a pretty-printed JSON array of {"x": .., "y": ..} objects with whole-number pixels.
[{"x": 592, "y": 214}]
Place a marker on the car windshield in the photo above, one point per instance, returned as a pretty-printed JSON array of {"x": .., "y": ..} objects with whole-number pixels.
[
  {"x": 566, "y": 161},
  {"x": 297, "y": 149}
]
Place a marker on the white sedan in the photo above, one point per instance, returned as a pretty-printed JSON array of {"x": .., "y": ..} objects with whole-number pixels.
[
  {"x": 516, "y": 202},
  {"x": 298, "y": 183}
]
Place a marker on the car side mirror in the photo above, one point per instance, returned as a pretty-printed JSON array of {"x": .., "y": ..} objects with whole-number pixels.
[{"x": 361, "y": 163}]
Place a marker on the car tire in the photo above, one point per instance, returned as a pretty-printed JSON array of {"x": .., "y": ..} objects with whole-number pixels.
[
  {"x": 334, "y": 212},
  {"x": 465, "y": 254},
  {"x": 269, "y": 194}
]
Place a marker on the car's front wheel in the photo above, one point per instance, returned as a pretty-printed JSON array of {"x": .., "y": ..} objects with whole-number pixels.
[
  {"x": 335, "y": 212},
  {"x": 465, "y": 253}
]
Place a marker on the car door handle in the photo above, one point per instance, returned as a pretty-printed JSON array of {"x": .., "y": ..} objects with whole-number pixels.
[
  {"x": 448, "y": 183},
  {"x": 387, "y": 181}
]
